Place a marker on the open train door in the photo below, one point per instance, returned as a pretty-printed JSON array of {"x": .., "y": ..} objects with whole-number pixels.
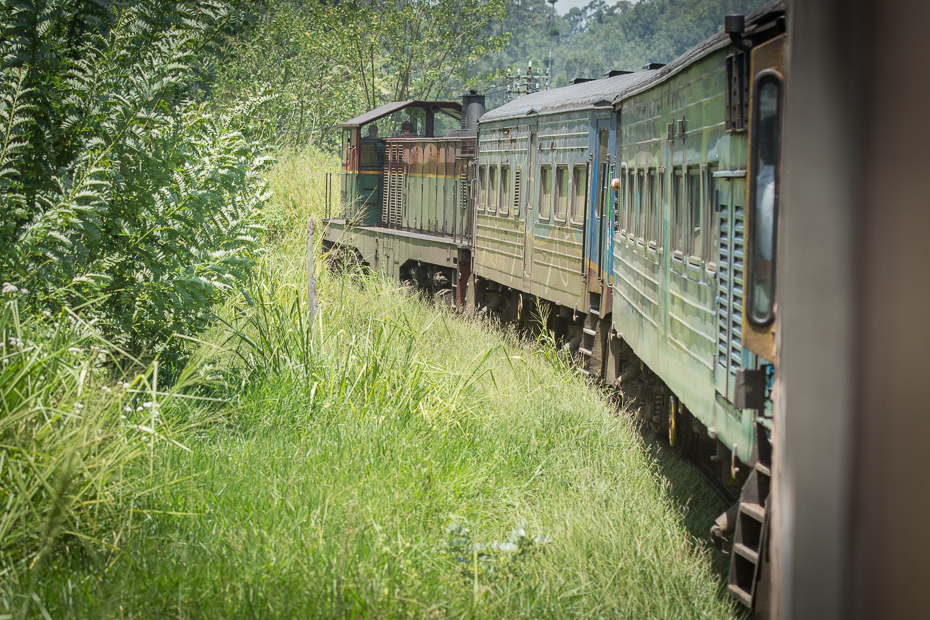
[
  {"x": 529, "y": 220},
  {"x": 598, "y": 229}
]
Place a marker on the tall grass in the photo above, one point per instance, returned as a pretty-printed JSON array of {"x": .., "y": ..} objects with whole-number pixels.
[
  {"x": 394, "y": 460},
  {"x": 77, "y": 446}
]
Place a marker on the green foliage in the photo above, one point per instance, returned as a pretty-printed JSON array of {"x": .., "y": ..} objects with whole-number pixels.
[
  {"x": 326, "y": 62},
  {"x": 296, "y": 51},
  {"x": 118, "y": 192},
  {"x": 602, "y": 36},
  {"x": 70, "y": 433}
]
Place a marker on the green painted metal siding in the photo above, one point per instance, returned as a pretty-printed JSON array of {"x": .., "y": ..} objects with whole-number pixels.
[{"x": 668, "y": 303}]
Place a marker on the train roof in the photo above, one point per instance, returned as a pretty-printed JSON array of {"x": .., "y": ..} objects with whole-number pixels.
[
  {"x": 576, "y": 97},
  {"x": 394, "y": 106}
]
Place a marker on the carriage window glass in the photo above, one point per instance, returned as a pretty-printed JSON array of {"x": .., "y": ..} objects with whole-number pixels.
[
  {"x": 445, "y": 121},
  {"x": 678, "y": 221},
  {"x": 712, "y": 219},
  {"x": 660, "y": 210},
  {"x": 695, "y": 216},
  {"x": 545, "y": 192},
  {"x": 640, "y": 205},
  {"x": 603, "y": 183},
  {"x": 561, "y": 192},
  {"x": 579, "y": 192},
  {"x": 492, "y": 189},
  {"x": 628, "y": 201},
  {"x": 649, "y": 235},
  {"x": 766, "y": 153},
  {"x": 482, "y": 186},
  {"x": 346, "y": 148},
  {"x": 505, "y": 190}
]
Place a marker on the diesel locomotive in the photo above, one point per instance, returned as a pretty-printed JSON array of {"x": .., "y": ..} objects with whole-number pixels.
[{"x": 636, "y": 215}]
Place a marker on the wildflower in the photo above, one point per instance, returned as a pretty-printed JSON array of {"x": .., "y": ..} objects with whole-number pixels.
[
  {"x": 74, "y": 350},
  {"x": 8, "y": 288},
  {"x": 105, "y": 388},
  {"x": 127, "y": 409}
]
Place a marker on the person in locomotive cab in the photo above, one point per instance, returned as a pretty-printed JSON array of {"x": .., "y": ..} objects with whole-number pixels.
[
  {"x": 406, "y": 130},
  {"x": 377, "y": 143}
]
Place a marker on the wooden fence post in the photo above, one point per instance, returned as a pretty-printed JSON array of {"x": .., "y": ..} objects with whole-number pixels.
[{"x": 311, "y": 282}]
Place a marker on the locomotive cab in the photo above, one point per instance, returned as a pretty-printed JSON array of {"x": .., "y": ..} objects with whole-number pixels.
[{"x": 364, "y": 147}]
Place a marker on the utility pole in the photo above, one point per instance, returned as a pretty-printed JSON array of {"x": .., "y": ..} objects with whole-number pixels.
[{"x": 553, "y": 33}]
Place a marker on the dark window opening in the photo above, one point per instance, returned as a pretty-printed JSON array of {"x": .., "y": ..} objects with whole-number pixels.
[{"x": 763, "y": 196}]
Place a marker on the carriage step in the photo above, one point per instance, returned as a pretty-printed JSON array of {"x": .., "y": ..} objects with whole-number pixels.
[
  {"x": 755, "y": 511},
  {"x": 584, "y": 351},
  {"x": 738, "y": 593},
  {"x": 746, "y": 552},
  {"x": 589, "y": 332}
]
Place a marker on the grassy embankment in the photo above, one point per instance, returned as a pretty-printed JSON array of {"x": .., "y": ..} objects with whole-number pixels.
[{"x": 393, "y": 460}]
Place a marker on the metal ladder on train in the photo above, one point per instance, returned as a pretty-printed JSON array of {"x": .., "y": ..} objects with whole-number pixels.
[
  {"x": 590, "y": 346},
  {"x": 750, "y": 549}
]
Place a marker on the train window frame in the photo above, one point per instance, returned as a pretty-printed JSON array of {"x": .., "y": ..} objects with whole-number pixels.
[
  {"x": 660, "y": 210},
  {"x": 640, "y": 224},
  {"x": 695, "y": 216},
  {"x": 577, "y": 207},
  {"x": 651, "y": 216},
  {"x": 676, "y": 223},
  {"x": 503, "y": 200},
  {"x": 712, "y": 221},
  {"x": 545, "y": 205},
  {"x": 493, "y": 189},
  {"x": 628, "y": 187},
  {"x": 561, "y": 202},
  {"x": 482, "y": 187},
  {"x": 758, "y": 83}
]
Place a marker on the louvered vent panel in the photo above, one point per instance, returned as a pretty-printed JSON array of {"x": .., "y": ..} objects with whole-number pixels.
[
  {"x": 516, "y": 193},
  {"x": 394, "y": 184},
  {"x": 730, "y": 267},
  {"x": 737, "y": 258}
]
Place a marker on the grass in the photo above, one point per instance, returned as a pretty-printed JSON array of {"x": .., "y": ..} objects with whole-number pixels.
[{"x": 393, "y": 460}]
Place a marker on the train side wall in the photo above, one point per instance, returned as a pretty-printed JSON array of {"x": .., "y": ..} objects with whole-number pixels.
[{"x": 678, "y": 243}]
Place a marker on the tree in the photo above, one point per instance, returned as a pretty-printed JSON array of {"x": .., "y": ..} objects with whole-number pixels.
[{"x": 418, "y": 48}]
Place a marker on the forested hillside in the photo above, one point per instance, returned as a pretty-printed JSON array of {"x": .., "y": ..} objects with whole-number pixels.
[{"x": 602, "y": 36}]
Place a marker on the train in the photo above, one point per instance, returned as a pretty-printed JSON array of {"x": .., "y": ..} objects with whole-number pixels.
[{"x": 634, "y": 216}]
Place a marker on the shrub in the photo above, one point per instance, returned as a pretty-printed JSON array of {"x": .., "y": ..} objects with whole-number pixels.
[{"x": 116, "y": 185}]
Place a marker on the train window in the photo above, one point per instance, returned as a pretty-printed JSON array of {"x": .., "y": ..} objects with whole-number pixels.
[
  {"x": 579, "y": 192},
  {"x": 545, "y": 192},
  {"x": 660, "y": 210},
  {"x": 628, "y": 198},
  {"x": 347, "y": 149},
  {"x": 713, "y": 224},
  {"x": 561, "y": 192},
  {"x": 695, "y": 216},
  {"x": 649, "y": 217},
  {"x": 505, "y": 190},
  {"x": 677, "y": 224},
  {"x": 603, "y": 183},
  {"x": 492, "y": 189},
  {"x": 445, "y": 121},
  {"x": 640, "y": 217},
  {"x": 763, "y": 196},
  {"x": 482, "y": 186}
]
